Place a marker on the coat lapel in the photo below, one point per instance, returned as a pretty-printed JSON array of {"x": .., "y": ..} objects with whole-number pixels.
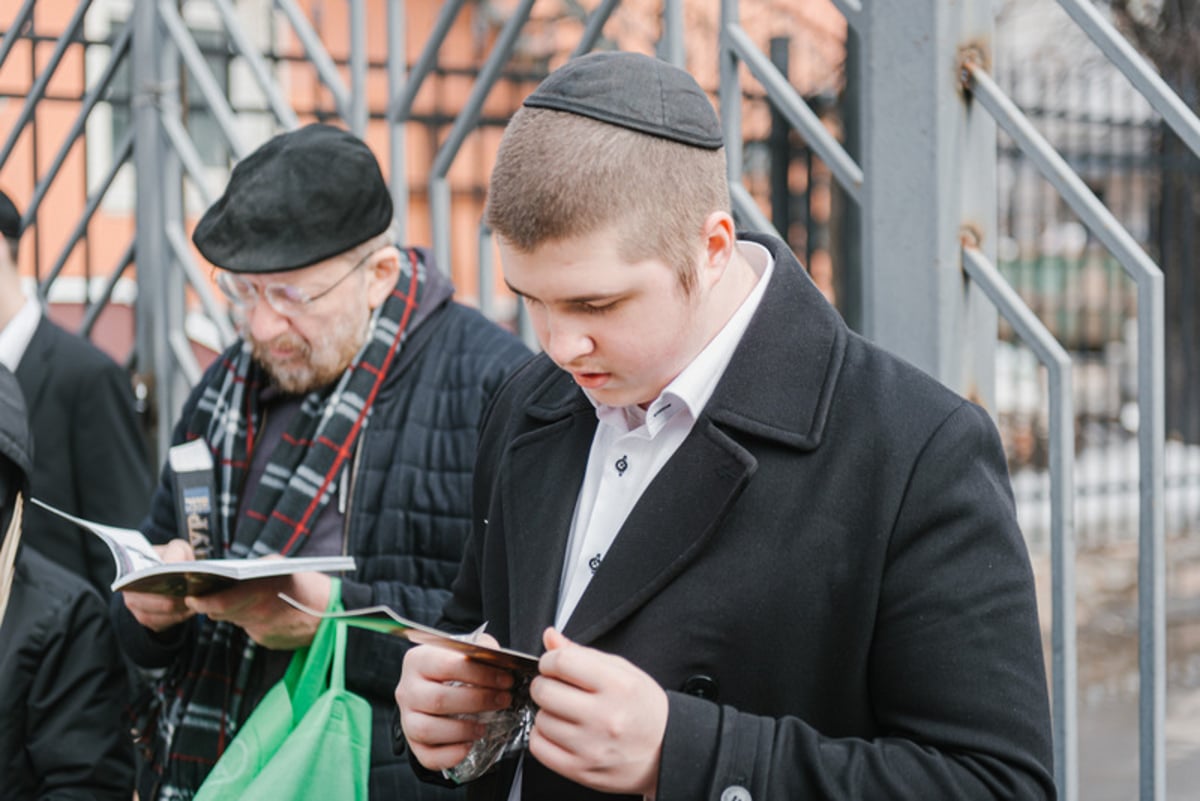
[
  {"x": 541, "y": 484},
  {"x": 32, "y": 370},
  {"x": 667, "y": 528}
]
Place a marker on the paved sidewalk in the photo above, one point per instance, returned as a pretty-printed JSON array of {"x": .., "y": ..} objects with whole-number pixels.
[{"x": 1108, "y": 748}]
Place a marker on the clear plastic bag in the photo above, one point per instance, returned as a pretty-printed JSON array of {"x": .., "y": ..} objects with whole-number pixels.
[{"x": 507, "y": 733}]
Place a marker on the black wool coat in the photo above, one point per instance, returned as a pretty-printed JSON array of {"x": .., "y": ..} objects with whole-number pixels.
[
  {"x": 90, "y": 456},
  {"x": 827, "y": 577}
]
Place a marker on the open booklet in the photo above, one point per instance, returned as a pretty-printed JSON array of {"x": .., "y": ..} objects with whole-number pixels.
[
  {"x": 140, "y": 570},
  {"x": 386, "y": 620}
]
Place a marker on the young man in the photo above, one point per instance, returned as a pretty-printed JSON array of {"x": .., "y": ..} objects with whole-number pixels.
[
  {"x": 764, "y": 558},
  {"x": 63, "y": 688},
  {"x": 91, "y": 454},
  {"x": 344, "y": 421}
]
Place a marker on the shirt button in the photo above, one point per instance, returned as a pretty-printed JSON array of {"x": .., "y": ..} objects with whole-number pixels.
[{"x": 735, "y": 792}]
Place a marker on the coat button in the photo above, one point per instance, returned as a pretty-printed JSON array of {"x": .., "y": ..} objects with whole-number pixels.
[
  {"x": 701, "y": 686},
  {"x": 735, "y": 792}
]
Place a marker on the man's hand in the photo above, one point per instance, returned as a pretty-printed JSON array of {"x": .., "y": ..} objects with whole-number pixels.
[
  {"x": 161, "y": 612},
  {"x": 437, "y": 684},
  {"x": 256, "y": 607},
  {"x": 600, "y": 721}
]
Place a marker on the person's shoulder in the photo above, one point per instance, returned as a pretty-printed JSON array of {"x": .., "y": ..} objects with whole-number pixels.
[
  {"x": 76, "y": 351},
  {"x": 538, "y": 382},
  {"x": 55, "y": 587},
  {"x": 883, "y": 392},
  {"x": 871, "y": 364}
]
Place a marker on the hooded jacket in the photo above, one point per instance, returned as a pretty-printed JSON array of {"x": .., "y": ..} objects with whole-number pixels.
[{"x": 62, "y": 682}]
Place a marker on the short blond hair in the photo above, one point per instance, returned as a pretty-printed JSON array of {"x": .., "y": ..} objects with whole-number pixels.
[{"x": 560, "y": 175}]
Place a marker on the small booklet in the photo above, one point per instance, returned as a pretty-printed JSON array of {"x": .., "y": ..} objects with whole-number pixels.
[
  {"x": 140, "y": 570},
  {"x": 506, "y": 731},
  {"x": 386, "y": 620}
]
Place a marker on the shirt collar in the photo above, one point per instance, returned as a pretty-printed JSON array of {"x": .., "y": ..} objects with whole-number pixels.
[
  {"x": 15, "y": 337},
  {"x": 692, "y": 388}
]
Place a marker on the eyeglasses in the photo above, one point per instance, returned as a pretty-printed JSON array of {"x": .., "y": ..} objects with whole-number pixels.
[{"x": 286, "y": 299}]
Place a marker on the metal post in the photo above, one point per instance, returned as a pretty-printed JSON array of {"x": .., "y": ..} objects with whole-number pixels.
[
  {"x": 779, "y": 144},
  {"x": 149, "y": 153},
  {"x": 921, "y": 150},
  {"x": 358, "y": 69},
  {"x": 396, "y": 69},
  {"x": 174, "y": 381},
  {"x": 671, "y": 46}
]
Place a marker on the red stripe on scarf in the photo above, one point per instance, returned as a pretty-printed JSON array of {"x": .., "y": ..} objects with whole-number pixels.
[{"x": 343, "y": 452}]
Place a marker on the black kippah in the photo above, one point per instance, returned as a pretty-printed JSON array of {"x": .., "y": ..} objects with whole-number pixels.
[
  {"x": 302, "y": 197},
  {"x": 633, "y": 91}
]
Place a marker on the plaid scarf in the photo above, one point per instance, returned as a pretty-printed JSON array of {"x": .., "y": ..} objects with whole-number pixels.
[{"x": 192, "y": 712}]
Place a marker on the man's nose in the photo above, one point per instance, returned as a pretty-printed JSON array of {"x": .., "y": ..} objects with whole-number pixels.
[
  {"x": 565, "y": 340},
  {"x": 263, "y": 322}
]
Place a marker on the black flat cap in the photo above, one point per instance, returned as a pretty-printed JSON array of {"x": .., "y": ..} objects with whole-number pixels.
[
  {"x": 302, "y": 197},
  {"x": 633, "y": 91},
  {"x": 10, "y": 218}
]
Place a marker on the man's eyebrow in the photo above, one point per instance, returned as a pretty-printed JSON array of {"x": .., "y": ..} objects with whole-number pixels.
[{"x": 577, "y": 299}]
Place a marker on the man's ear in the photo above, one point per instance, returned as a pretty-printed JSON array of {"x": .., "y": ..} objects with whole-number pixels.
[
  {"x": 720, "y": 238},
  {"x": 382, "y": 271}
]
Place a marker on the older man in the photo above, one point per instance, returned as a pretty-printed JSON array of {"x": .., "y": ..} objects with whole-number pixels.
[{"x": 343, "y": 422}]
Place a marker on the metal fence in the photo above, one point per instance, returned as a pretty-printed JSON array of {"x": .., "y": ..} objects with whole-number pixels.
[
  {"x": 1112, "y": 138},
  {"x": 187, "y": 87}
]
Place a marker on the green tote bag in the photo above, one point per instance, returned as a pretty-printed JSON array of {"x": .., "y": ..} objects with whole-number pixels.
[{"x": 309, "y": 738}]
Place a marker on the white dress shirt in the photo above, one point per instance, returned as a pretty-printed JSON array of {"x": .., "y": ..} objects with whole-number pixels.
[{"x": 15, "y": 337}]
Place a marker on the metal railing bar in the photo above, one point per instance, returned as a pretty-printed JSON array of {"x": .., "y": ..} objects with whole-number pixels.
[
  {"x": 729, "y": 93},
  {"x": 358, "y": 69},
  {"x": 119, "y": 49},
  {"x": 791, "y": 105},
  {"x": 746, "y": 207},
  {"x": 487, "y": 273},
  {"x": 318, "y": 55},
  {"x": 402, "y": 98},
  {"x": 284, "y": 113},
  {"x": 94, "y": 308},
  {"x": 1051, "y": 164},
  {"x": 39, "y": 85},
  {"x": 439, "y": 192},
  {"x": 122, "y": 154},
  {"x": 1151, "y": 427},
  {"x": 671, "y": 46},
  {"x": 1148, "y": 82},
  {"x": 193, "y": 164},
  {"x": 191, "y": 271},
  {"x": 594, "y": 27},
  {"x": 194, "y": 60},
  {"x": 181, "y": 349},
  {"x": 1057, "y": 361},
  {"x": 398, "y": 174},
  {"x": 14, "y": 31}
]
